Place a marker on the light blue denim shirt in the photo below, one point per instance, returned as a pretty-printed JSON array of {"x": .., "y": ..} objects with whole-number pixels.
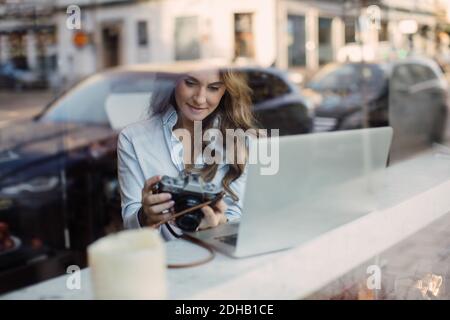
[{"x": 148, "y": 148}]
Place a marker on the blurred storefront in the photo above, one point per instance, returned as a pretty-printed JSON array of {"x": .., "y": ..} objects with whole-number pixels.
[
  {"x": 129, "y": 32},
  {"x": 28, "y": 38},
  {"x": 319, "y": 32},
  {"x": 289, "y": 34}
]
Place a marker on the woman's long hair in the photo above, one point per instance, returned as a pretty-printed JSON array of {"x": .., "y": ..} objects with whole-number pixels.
[{"x": 233, "y": 112}]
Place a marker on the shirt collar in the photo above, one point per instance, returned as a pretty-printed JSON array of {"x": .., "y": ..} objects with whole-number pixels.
[{"x": 170, "y": 117}]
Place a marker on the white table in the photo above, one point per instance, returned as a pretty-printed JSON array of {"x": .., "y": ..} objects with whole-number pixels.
[{"x": 411, "y": 195}]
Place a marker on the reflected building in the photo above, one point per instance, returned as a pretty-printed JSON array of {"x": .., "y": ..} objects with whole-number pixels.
[
  {"x": 290, "y": 34},
  {"x": 28, "y": 36}
]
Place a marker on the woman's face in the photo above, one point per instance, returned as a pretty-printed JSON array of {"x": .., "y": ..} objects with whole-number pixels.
[{"x": 198, "y": 94}]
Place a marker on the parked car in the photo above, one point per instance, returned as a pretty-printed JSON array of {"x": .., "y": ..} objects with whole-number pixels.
[
  {"x": 12, "y": 77},
  {"x": 58, "y": 170},
  {"x": 278, "y": 102},
  {"x": 410, "y": 95}
]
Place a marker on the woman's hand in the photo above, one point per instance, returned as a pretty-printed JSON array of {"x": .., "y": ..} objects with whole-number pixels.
[
  {"x": 213, "y": 216},
  {"x": 154, "y": 204}
]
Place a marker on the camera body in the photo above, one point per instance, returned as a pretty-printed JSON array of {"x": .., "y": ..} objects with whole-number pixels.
[{"x": 189, "y": 190}]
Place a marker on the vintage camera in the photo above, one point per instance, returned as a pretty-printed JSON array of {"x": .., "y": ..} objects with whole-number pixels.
[{"x": 189, "y": 190}]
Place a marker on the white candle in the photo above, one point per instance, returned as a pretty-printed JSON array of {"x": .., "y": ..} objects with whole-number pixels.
[{"x": 129, "y": 265}]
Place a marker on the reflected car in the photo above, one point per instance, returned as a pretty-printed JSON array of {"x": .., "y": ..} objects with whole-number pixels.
[
  {"x": 58, "y": 170},
  {"x": 12, "y": 77},
  {"x": 410, "y": 95}
]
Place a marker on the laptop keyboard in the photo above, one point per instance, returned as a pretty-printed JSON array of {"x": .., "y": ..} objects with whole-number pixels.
[{"x": 229, "y": 239}]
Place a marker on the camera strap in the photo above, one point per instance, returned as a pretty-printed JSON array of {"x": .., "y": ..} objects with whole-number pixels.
[
  {"x": 187, "y": 237},
  {"x": 178, "y": 214},
  {"x": 195, "y": 263}
]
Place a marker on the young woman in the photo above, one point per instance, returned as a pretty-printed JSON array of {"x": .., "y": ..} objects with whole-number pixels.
[{"x": 216, "y": 99}]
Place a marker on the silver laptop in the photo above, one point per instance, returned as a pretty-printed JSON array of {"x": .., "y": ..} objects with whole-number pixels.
[{"x": 324, "y": 181}]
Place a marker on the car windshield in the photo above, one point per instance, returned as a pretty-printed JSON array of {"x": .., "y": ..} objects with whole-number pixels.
[
  {"x": 106, "y": 98},
  {"x": 351, "y": 77}
]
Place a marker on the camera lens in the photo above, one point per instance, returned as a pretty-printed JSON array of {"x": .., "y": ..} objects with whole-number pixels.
[{"x": 190, "y": 221}]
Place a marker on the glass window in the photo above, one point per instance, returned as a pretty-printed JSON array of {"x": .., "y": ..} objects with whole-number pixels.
[
  {"x": 86, "y": 102},
  {"x": 142, "y": 33},
  {"x": 325, "y": 44},
  {"x": 111, "y": 44},
  {"x": 402, "y": 77},
  {"x": 266, "y": 86},
  {"x": 296, "y": 40},
  {"x": 243, "y": 35},
  {"x": 350, "y": 31},
  {"x": 422, "y": 73},
  {"x": 17, "y": 50},
  {"x": 187, "y": 44},
  {"x": 348, "y": 77},
  {"x": 383, "y": 34},
  {"x": 289, "y": 119},
  {"x": 406, "y": 75},
  {"x": 46, "y": 43}
]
